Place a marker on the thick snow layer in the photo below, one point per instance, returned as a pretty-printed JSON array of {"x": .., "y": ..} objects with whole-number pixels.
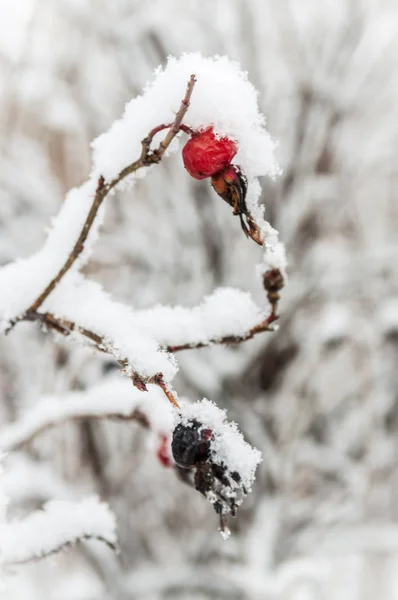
[
  {"x": 223, "y": 97},
  {"x": 226, "y": 312},
  {"x": 139, "y": 336},
  {"x": 112, "y": 398},
  {"x": 274, "y": 257},
  {"x": 228, "y": 447},
  {"x": 60, "y": 524}
]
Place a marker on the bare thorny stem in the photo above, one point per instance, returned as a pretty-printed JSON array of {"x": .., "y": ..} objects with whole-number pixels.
[{"x": 65, "y": 327}]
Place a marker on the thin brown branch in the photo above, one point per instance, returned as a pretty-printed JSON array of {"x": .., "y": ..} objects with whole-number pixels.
[
  {"x": 230, "y": 339},
  {"x": 100, "y": 194},
  {"x": 66, "y": 327},
  {"x": 177, "y": 121},
  {"x": 158, "y": 380},
  {"x": 146, "y": 159}
]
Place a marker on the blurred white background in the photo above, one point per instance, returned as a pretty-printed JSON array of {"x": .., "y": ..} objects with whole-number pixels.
[{"x": 319, "y": 398}]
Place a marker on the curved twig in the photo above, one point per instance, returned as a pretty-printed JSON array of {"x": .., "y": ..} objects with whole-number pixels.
[{"x": 146, "y": 159}]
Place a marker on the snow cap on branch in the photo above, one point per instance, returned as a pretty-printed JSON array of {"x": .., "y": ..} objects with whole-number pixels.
[
  {"x": 226, "y": 312},
  {"x": 274, "y": 257},
  {"x": 223, "y": 98},
  {"x": 59, "y": 525}
]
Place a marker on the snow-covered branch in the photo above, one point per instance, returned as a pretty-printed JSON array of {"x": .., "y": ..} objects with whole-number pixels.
[
  {"x": 59, "y": 525},
  {"x": 147, "y": 158},
  {"x": 114, "y": 399},
  {"x": 228, "y": 316},
  {"x": 224, "y": 125}
]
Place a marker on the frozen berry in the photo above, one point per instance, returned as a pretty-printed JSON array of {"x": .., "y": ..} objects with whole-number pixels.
[
  {"x": 191, "y": 444},
  {"x": 205, "y": 154}
]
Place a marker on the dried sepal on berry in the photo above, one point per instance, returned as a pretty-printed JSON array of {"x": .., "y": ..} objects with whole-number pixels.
[{"x": 207, "y": 155}]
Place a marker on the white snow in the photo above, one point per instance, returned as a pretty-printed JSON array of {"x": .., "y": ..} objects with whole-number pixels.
[
  {"x": 274, "y": 257},
  {"x": 226, "y": 312},
  {"x": 59, "y": 524},
  {"x": 222, "y": 97}
]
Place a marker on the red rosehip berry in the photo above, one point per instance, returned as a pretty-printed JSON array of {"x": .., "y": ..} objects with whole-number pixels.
[
  {"x": 163, "y": 451},
  {"x": 205, "y": 154}
]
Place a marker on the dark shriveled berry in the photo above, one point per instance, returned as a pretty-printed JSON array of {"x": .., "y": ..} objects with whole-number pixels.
[{"x": 191, "y": 444}]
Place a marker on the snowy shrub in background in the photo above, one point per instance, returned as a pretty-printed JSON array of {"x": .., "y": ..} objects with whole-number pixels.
[{"x": 48, "y": 288}]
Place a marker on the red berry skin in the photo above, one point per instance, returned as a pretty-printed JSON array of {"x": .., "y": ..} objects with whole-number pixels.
[
  {"x": 163, "y": 451},
  {"x": 205, "y": 154}
]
